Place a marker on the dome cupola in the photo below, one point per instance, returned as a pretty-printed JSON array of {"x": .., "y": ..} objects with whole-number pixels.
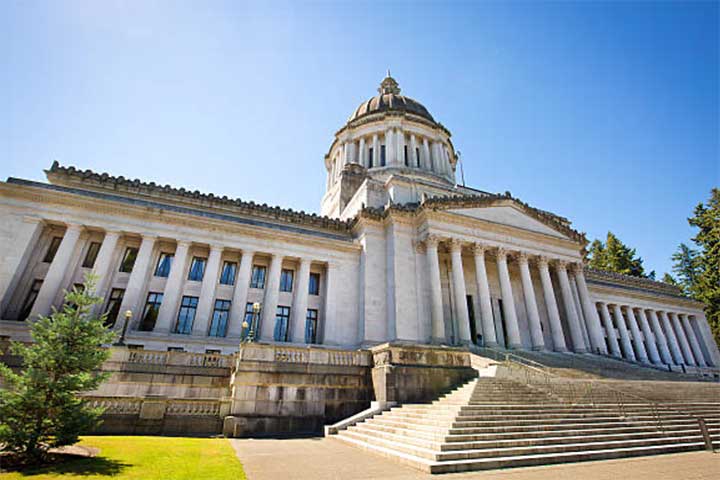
[{"x": 389, "y": 99}]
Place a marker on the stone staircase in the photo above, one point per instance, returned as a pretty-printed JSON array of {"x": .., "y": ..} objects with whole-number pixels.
[{"x": 491, "y": 423}]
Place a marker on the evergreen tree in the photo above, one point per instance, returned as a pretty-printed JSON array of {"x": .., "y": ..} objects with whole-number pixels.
[
  {"x": 40, "y": 407},
  {"x": 686, "y": 268},
  {"x": 614, "y": 256},
  {"x": 669, "y": 279}
]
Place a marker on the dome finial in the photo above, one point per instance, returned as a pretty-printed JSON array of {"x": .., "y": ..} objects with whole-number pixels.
[{"x": 389, "y": 85}]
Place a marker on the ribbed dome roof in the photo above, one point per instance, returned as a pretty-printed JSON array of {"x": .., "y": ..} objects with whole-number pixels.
[{"x": 389, "y": 99}]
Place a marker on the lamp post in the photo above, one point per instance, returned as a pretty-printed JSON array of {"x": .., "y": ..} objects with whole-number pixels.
[
  {"x": 127, "y": 317},
  {"x": 253, "y": 328}
]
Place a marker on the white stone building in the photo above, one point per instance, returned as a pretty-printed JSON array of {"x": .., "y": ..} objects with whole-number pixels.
[{"x": 401, "y": 253}]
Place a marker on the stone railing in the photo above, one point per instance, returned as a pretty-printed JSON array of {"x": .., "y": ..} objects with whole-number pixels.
[
  {"x": 156, "y": 407},
  {"x": 179, "y": 359},
  {"x": 260, "y": 352},
  {"x": 117, "y": 406}
]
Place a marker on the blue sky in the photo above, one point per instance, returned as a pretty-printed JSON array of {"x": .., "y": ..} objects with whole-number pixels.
[{"x": 606, "y": 113}]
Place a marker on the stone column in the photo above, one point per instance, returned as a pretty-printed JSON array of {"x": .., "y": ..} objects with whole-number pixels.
[
  {"x": 242, "y": 283},
  {"x": 173, "y": 289},
  {"x": 672, "y": 339},
  {"x": 573, "y": 321},
  {"x": 362, "y": 158},
  {"x": 206, "y": 302},
  {"x": 486, "y": 314},
  {"x": 460, "y": 292},
  {"x": 376, "y": 151},
  {"x": 682, "y": 340},
  {"x": 300, "y": 302},
  {"x": 390, "y": 159},
  {"x": 650, "y": 344},
  {"x": 625, "y": 343},
  {"x": 640, "y": 353},
  {"x": 272, "y": 291},
  {"x": 660, "y": 338},
  {"x": 413, "y": 160},
  {"x": 513, "y": 330},
  {"x": 103, "y": 266},
  {"x": 536, "y": 334},
  {"x": 136, "y": 282},
  {"x": 610, "y": 331},
  {"x": 692, "y": 339},
  {"x": 554, "y": 316},
  {"x": 400, "y": 146},
  {"x": 436, "y": 312},
  {"x": 28, "y": 233},
  {"x": 56, "y": 273},
  {"x": 329, "y": 330},
  {"x": 346, "y": 153},
  {"x": 597, "y": 339}
]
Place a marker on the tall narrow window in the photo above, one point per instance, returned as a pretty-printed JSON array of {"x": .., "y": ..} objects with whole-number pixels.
[
  {"x": 370, "y": 157},
  {"x": 382, "y": 155},
  {"x": 314, "y": 284},
  {"x": 113, "y": 306},
  {"x": 30, "y": 299},
  {"x": 249, "y": 319},
  {"x": 311, "y": 321},
  {"x": 128, "y": 261},
  {"x": 258, "y": 277},
  {"x": 164, "y": 264},
  {"x": 405, "y": 156},
  {"x": 186, "y": 315},
  {"x": 286, "y": 280},
  {"x": 218, "y": 326},
  {"x": 52, "y": 249},
  {"x": 417, "y": 157},
  {"x": 150, "y": 313},
  {"x": 282, "y": 317},
  {"x": 227, "y": 277},
  {"x": 197, "y": 269},
  {"x": 91, "y": 255}
]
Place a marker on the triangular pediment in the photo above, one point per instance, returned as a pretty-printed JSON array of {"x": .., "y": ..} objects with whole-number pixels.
[{"x": 510, "y": 216}]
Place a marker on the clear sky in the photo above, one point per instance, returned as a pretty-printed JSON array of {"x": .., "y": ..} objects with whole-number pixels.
[{"x": 606, "y": 113}]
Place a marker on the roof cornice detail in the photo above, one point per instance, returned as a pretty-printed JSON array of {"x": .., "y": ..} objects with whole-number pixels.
[{"x": 603, "y": 276}]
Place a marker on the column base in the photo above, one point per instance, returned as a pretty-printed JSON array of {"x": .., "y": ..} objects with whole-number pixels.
[
  {"x": 539, "y": 348},
  {"x": 492, "y": 344},
  {"x": 438, "y": 341},
  {"x": 561, "y": 350},
  {"x": 518, "y": 346}
]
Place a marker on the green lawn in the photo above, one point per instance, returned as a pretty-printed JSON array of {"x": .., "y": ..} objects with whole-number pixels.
[{"x": 126, "y": 458}]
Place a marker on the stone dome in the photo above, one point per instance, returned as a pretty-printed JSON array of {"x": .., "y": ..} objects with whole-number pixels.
[{"x": 390, "y": 100}]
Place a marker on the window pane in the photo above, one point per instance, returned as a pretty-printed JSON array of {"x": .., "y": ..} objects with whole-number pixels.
[
  {"x": 186, "y": 315},
  {"x": 113, "y": 306},
  {"x": 227, "y": 277},
  {"x": 91, "y": 255},
  {"x": 52, "y": 249},
  {"x": 128, "y": 261},
  {"x": 382, "y": 155},
  {"x": 258, "y": 277},
  {"x": 370, "y": 157},
  {"x": 164, "y": 264},
  {"x": 218, "y": 325},
  {"x": 150, "y": 313},
  {"x": 30, "y": 299},
  {"x": 197, "y": 269},
  {"x": 282, "y": 317},
  {"x": 311, "y": 326},
  {"x": 405, "y": 155},
  {"x": 248, "y": 319},
  {"x": 314, "y": 284},
  {"x": 286, "y": 280}
]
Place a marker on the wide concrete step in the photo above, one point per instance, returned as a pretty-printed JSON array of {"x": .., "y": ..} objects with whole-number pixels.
[{"x": 562, "y": 426}]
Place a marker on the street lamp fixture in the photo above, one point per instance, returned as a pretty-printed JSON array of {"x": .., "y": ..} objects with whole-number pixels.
[
  {"x": 253, "y": 328},
  {"x": 127, "y": 317}
]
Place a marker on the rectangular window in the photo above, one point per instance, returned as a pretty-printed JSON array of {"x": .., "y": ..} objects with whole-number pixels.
[
  {"x": 52, "y": 249},
  {"x": 212, "y": 351},
  {"x": 128, "y": 261},
  {"x": 417, "y": 157},
  {"x": 113, "y": 306},
  {"x": 382, "y": 155},
  {"x": 176, "y": 349},
  {"x": 258, "y": 277},
  {"x": 311, "y": 321},
  {"x": 91, "y": 255},
  {"x": 218, "y": 326},
  {"x": 286, "y": 280},
  {"x": 249, "y": 318},
  {"x": 186, "y": 315},
  {"x": 227, "y": 277},
  {"x": 405, "y": 156},
  {"x": 164, "y": 264},
  {"x": 197, "y": 269},
  {"x": 150, "y": 313},
  {"x": 370, "y": 157},
  {"x": 282, "y": 317},
  {"x": 30, "y": 299},
  {"x": 314, "y": 284}
]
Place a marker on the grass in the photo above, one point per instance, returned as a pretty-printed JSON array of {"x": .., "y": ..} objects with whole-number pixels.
[{"x": 134, "y": 458}]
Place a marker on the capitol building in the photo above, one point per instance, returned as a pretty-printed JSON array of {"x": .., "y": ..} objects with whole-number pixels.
[{"x": 402, "y": 266}]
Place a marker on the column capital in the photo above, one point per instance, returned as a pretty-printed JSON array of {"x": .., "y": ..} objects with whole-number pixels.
[
  {"x": 419, "y": 246},
  {"x": 523, "y": 258},
  {"x": 479, "y": 249},
  {"x": 561, "y": 265},
  {"x": 73, "y": 226},
  {"x": 543, "y": 261},
  {"x": 112, "y": 233},
  {"x": 577, "y": 267},
  {"x": 455, "y": 245},
  {"x": 180, "y": 243},
  {"x": 217, "y": 246},
  {"x": 502, "y": 253},
  {"x": 432, "y": 241}
]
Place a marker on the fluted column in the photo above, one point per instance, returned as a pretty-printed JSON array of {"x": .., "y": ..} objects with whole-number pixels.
[
  {"x": 103, "y": 265},
  {"x": 660, "y": 338},
  {"x": 346, "y": 153},
  {"x": 376, "y": 151},
  {"x": 400, "y": 146},
  {"x": 692, "y": 339},
  {"x": 426, "y": 162},
  {"x": 682, "y": 339},
  {"x": 536, "y": 334},
  {"x": 486, "y": 314},
  {"x": 671, "y": 338},
  {"x": 573, "y": 321},
  {"x": 206, "y": 301},
  {"x": 136, "y": 282},
  {"x": 56, "y": 273},
  {"x": 460, "y": 292},
  {"x": 362, "y": 157},
  {"x": 513, "y": 330},
  {"x": 436, "y": 312},
  {"x": 556, "y": 329},
  {"x": 413, "y": 160},
  {"x": 640, "y": 353},
  {"x": 300, "y": 302},
  {"x": 597, "y": 339},
  {"x": 625, "y": 343},
  {"x": 173, "y": 289},
  {"x": 650, "y": 344},
  {"x": 390, "y": 159},
  {"x": 610, "y": 331},
  {"x": 270, "y": 301},
  {"x": 239, "y": 299}
]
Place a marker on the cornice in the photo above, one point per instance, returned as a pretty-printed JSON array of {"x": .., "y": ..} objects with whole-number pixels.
[{"x": 603, "y": 277}]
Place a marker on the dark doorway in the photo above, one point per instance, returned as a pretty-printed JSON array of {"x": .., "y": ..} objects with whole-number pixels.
[
  {"x": 471, "y": 317},
  {"x": 502, "y": 320}
]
